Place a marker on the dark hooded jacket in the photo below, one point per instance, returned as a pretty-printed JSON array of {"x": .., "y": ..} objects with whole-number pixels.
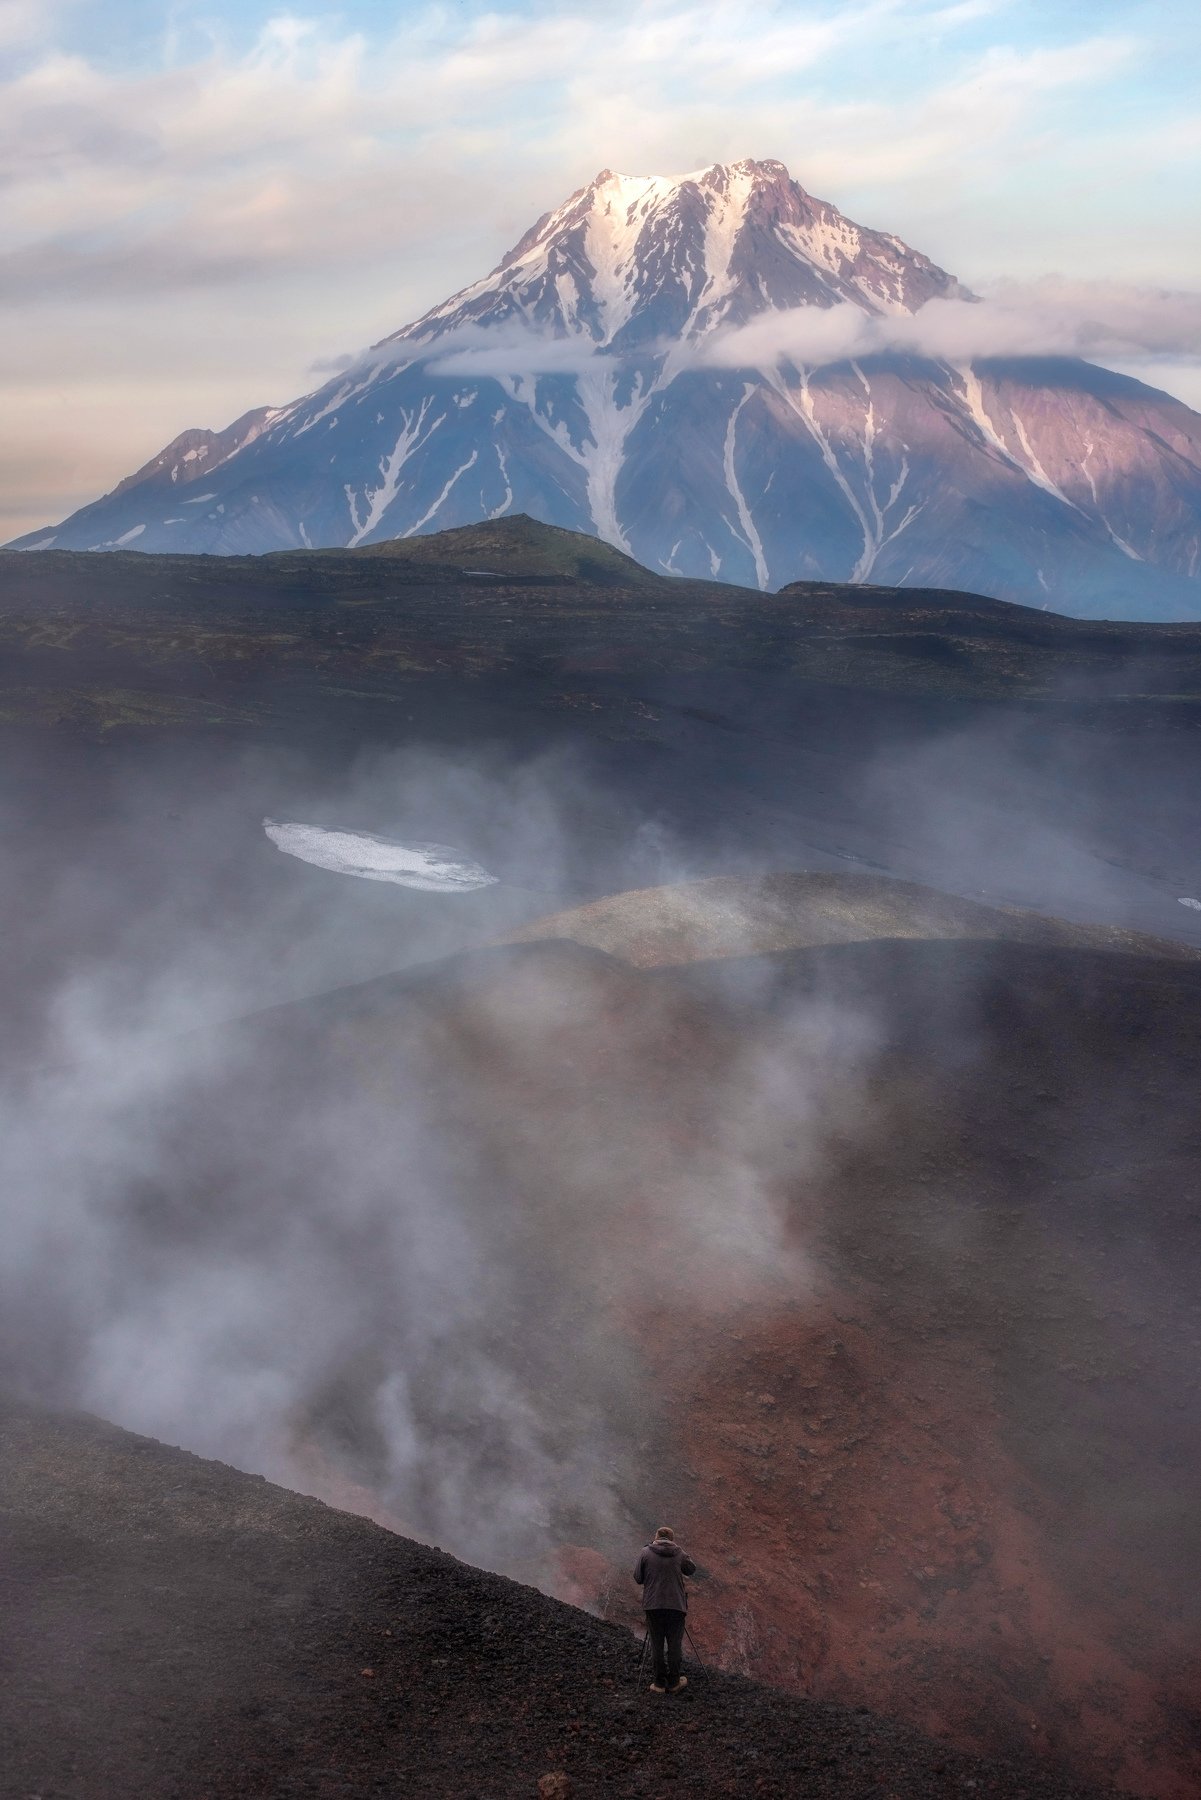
[{"x": 660, "y": 1574}]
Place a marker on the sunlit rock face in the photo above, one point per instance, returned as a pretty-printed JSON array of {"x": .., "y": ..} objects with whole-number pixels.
[{"x": 589, "y": 380}]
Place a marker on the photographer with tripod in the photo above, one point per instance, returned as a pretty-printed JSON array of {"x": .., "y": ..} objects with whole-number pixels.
[{"x": 660, "y": 1574}]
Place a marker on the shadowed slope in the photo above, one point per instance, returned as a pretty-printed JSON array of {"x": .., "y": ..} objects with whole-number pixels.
[{"x": 233, "y": 640}]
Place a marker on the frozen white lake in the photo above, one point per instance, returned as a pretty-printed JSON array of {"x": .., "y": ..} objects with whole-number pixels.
[{"x": 434, "y": 868}]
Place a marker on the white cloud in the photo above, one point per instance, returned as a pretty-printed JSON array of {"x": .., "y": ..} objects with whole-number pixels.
[
  {"x": 508, "y": 349},
  {"x": 312, "y": 144},
  {"x": 1108, "y": 322},
  {"x": 1103, "y": 321},
  {"x": 24, "y": 22}
]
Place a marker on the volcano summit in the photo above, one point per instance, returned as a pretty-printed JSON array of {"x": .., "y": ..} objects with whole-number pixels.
[{"x": 666, "y": 363}]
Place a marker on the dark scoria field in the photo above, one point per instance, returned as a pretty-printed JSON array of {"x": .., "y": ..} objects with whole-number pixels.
[{"x": 172, "y": 1628}]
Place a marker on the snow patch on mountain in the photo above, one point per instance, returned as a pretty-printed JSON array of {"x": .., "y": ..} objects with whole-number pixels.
[
  {"x": 432, "y": 512},
  {"x": 614, "y": 228},
  {"x": 1126, "y": 548},
  {"x": 750, "y": 536},
  {"x": 378, "y": 500},
  {"x": 433, "y": 868}
]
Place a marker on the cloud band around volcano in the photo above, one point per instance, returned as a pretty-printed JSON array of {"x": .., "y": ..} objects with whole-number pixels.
[{"x": 1103, "y": 321}]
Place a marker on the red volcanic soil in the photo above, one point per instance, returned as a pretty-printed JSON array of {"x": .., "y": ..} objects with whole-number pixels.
[
  {"x": 869, "y": 1538},
  {"x": 945, "y": 1469},
  {"x": 879, "y": 1255}
]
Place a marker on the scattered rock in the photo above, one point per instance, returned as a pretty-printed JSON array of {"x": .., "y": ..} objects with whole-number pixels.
[{"x": 555, "y": 1786}]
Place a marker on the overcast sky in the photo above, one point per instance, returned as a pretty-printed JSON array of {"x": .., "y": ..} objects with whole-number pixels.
[{"x": 201, "y": 202}]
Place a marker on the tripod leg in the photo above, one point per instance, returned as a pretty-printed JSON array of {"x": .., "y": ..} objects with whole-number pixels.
[
  {"x": 646, "y": 1638},
  {"x": 696, "y": 1652}
]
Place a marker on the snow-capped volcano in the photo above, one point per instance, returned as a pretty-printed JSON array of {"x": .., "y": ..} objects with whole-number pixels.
[
  {"x": 638, "y": 260},
  {"x": 588, "y": 380}
]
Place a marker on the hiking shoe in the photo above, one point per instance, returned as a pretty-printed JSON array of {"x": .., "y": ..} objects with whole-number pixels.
[
  {"x": 681, "y": 1683},
  {"x": 656, "y": 1689}
]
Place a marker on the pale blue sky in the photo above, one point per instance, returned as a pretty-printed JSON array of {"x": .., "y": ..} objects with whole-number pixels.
[{"x": 201, "y": 200}]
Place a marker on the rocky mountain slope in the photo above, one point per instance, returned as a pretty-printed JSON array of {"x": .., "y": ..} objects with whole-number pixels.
[
  {"x": 171, "y": 1627},
  {"x": 597, "y": 379}
]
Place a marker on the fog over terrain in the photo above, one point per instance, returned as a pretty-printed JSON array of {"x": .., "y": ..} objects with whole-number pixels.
[
  {"x": 216, "y": 1261},
  {"x": 277, "y": 1245},
  {"x": 618, "y": 1170}
]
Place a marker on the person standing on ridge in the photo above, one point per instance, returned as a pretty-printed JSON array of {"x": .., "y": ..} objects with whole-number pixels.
[{"x": 660, "y": 1574}]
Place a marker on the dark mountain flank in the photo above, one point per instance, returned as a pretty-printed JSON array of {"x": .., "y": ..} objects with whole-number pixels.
[{"x": 645, "y": 366}]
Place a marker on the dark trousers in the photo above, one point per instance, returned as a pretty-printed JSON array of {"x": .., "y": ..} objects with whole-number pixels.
[{"x": 666, "y": 1627}]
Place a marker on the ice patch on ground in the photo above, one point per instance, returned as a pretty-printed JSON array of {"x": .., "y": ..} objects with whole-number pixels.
[
  {"x": 1195, "y": 904},
  {"x": 435, "y": 868}
]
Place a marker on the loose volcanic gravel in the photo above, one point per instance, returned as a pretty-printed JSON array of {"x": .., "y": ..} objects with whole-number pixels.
[{"x": 173, "y": 1627}]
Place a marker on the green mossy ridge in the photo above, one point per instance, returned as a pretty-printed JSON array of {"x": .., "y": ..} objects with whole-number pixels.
[{"x": 519, "y": 545}]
